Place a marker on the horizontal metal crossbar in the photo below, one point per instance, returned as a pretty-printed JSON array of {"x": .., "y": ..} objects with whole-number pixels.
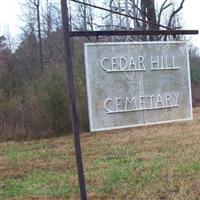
[{"x": 132, "y": 32}]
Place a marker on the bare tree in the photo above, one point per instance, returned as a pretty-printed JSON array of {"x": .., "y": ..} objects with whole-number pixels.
[
  {"x": 36, "y": 4},
  {"x": 83, "y": 16},
  {"x": 175, "y": 11},
  {"x": 146, "y": 10},
  {"x": 32, "y": 17},
  {"x": 47, "y": 17}
]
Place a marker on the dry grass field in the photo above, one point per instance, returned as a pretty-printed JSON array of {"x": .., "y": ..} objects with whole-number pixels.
[{"x": 155, "y": 162}]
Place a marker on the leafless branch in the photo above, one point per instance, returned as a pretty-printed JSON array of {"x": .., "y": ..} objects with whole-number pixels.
[
  {"x": 118, "y": 13},
  {"x": 162, "y": 8},
  {"x": 175, "y": 12}
]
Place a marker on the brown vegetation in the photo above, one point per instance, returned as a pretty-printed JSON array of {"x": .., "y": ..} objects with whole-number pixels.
[{"x": 196, "y": 94}]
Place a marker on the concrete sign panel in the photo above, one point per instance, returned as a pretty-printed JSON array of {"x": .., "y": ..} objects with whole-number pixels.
[{"x": 137, "y": 83}]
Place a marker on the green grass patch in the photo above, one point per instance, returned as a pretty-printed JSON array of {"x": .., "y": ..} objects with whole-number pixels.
[
  {"x": 189, "y": 168},
  {"x": 37, "y": 183},
  {"x": 122, "y": 170},
  {"x": 16, "y": 154}
]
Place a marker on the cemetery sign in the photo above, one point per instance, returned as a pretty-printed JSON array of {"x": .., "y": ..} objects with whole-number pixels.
[{"x": 137, "y": 83}]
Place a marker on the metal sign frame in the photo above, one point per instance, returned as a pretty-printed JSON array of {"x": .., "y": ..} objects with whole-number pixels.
[{"x": 69, "y": 69}]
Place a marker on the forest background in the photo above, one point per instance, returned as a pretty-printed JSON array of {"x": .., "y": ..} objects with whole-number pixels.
[{"x": 33, "y": 94}]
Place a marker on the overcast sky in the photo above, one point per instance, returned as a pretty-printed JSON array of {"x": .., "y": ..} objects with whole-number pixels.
[{"x": 10, "y": 17}]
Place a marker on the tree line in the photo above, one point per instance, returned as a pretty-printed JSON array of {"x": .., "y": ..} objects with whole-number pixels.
[{"x": 33, "y": 97}]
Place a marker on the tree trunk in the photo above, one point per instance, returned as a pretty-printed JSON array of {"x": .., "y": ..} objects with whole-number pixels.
[
  {"x": 149, "y": 14},
  {"x": 39, "y": 35}
]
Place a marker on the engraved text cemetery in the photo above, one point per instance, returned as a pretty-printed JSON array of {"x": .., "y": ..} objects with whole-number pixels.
[{"x": 152, "y": 101}]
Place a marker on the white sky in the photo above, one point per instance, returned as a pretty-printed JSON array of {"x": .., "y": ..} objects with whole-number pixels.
[
  {"x": 191, "y": 18},
  {"x": 10, "y": 17}
]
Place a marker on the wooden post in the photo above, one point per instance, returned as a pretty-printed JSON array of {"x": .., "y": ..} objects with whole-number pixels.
[{"x": 72, "y": 99}]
